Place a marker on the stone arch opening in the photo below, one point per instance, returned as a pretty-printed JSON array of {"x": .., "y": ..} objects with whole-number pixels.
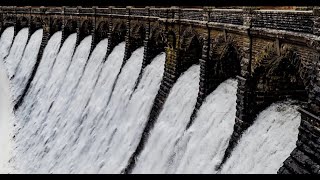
[
  {"x": 36, "y": 23},
  {"x": 70, "y": 27},
  {"x": 120, "y": 32},
  {"x": 222, "y": 63},
  {"x": 102, "y": 31},
  {"x": 56, "y": 26},
  {"x": 86, "y": 29},
  {"x": 190, "y": 52},
  {"x": 22, "y": 22}
]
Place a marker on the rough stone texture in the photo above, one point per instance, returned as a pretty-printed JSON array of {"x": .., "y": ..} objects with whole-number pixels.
[{"x": 277, "y": 51}]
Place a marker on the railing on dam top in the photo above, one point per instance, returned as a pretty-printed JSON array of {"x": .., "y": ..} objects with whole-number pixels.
[{"x": 290, "y": 20}]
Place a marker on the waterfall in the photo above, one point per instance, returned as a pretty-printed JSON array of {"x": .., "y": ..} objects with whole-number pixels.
[
  {"x": 119, "y": 149},
  {"x": 267, "y": 143},
  {"x": 171, "y": 123},
  {"x": 13, "y": 59},
  {"x": 30, "y": 120},
  {"x": 26, "y": 65},
  {"x": 6, "y": 42},
  {"x": 83, "y": 113},
  {"x": 6, "y": 113},
  {"x": 202, "y": 146}
]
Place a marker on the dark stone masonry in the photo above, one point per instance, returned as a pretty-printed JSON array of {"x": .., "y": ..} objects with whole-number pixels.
[{"x": 274, "y": 55}]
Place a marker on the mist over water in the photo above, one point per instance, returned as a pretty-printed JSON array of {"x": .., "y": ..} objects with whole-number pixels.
[{"x": 83, "y": 113}]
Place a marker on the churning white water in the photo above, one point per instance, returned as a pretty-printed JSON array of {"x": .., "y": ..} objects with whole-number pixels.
[
  {"x": 42, "y": 75},
  {"x": 6, "y": 42},
  {"x": 6, "y": 109},
  {"x": 26, "y": 65},
  {"x": 73, "y": 120},
  {"x": 203, "y": 145},
  {"x": 171, "y": 123},
  {"x": 13, "y": 59},
  {"x": 267, "y": 143},
  {"x": 127, "y": 135},
  {"x": 31, "y": 120}
]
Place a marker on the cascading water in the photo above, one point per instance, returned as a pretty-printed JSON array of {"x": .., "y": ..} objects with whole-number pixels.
[
  {"x": 6, "y": 42},
  {"x": 30, "y": 119},
  {"x": 6, "y": 108},
  {"x": 26, "y": 65},
  {"x": 203, "y": 145},
  {"x": 171, "y": 123},
  {"x": 134, "y": 118},
  {"x": 42, "y": 75},
  {"x": 13, "y": 59},
  {"x": 267, "y": 143}
]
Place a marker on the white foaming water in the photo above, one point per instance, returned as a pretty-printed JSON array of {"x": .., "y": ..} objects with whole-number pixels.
[
  {"x": 83, "y": 131},
  {"x": 171, "y": 123},
  {"x": 120, "y": 96},
  {"x": 48, "y": 128},
  {"x": 26, "y": 65},
  {"x": 112, "y": 116},
  {"x": 203, "y": 145},
  {"x": 6, "y": 42},
  {"x": 31, "y": 120},
  {"x": 71, "y": 121},
  {"x": 6, "y": 108},
  {"x": 13, "y": 59},
  {"x": 128, "y": 133},
  {"x": 42, "y": 75},
  {"x": 267, "y": 143}
]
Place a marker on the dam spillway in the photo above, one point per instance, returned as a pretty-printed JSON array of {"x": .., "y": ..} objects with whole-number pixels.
[{"x": 129, "y": 98}]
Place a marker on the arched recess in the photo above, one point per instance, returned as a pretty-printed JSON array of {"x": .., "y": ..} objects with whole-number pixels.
[
  {"x": 137, "y": 36},
  {"x": 70, "y": 27},
  {"x": 8, "y": 21},
  {"x": 154, "y": 45},
  {"x": 22, "y": 22},
  {"x": 119, "y": 31},
  {"x": 116, "y": 35},
  {"x": 36, "y": 23},
  {"x": 222, "y": 63},
  {"x": 190, "y": 49},
  {"x": 56, "y": 25},
  {"x": 86, "y": 29},
  {"x": 278, "y": 79},
  {"x": 275, "y": 77},
  {"x": 102, "y": 31}
]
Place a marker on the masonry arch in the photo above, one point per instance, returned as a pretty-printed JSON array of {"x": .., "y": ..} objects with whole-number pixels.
[
  {"x": 36, "y": 23},
  {"x": 278, "y": 77},
  {"x": 70, "y": 27},
  {"x": 86, "y": 29},
  {"x": 190, "y": 49},
  {"x": 102, "y": 31},
  {"x": 56, "y": 25},
  {"x": 22, "y": 22},
  {"x": 8, "y": 21}
]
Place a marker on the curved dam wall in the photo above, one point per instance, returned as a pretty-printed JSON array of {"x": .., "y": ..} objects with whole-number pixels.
[{"x": 272, "y": 55}]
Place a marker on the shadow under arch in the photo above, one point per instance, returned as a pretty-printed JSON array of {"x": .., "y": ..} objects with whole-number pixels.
[{"x": 101, "y": 31}]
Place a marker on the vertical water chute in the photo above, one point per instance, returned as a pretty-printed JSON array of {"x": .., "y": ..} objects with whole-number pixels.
[
  {"x": 26, "y": 65},
  {"x": 171, "y": 123},
  {"x": 16, "y": 52}
]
